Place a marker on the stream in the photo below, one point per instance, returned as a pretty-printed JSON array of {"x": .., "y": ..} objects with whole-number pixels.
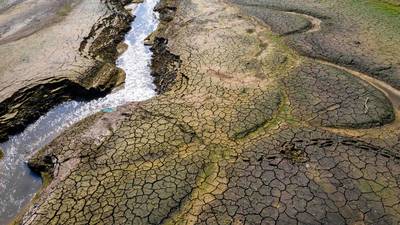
[{"x": 18, "y": 184}]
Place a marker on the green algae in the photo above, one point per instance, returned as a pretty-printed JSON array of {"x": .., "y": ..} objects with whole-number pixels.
[
  {"x": 65, "y": 10},
  {"x": 387, "y": 7}
]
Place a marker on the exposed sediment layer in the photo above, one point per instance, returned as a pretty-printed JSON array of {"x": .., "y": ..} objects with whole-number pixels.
[
  {"x": 50, "y": 64},
  {"x": 246, "y": 131},
  {"x": 164, "y": 65}
]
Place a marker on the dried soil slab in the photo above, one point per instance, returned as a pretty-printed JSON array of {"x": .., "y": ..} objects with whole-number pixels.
[
  {"x": 330, "y": 97},
  {"x": 307, "y": 176},
  {"x": 359, "y": 34},
  {"x": 281, "y": 23}
]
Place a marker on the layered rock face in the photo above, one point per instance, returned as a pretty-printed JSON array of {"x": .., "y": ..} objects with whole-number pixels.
[
  {"x": 52, "y": 51},
  {"x": 246, "y": 130}
]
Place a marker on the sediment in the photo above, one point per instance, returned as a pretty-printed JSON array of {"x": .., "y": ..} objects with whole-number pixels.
[{"x": 245, "y": 131}]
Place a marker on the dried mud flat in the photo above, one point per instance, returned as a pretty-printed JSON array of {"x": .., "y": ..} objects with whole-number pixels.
[{"x": 259, "y": 121}]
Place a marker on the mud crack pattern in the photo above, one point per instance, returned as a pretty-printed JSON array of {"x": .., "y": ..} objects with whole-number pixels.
[{"x": 247, "y": 131}]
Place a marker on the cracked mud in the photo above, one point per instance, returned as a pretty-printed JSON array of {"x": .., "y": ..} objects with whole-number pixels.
[{"x": 275, "y": 116}]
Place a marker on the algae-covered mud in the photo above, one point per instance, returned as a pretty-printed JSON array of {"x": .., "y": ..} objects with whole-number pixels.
[{"x": 268, "y": 112}]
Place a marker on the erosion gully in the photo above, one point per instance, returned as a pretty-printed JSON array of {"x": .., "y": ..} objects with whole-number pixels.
[{"x": 18, "y": 184}]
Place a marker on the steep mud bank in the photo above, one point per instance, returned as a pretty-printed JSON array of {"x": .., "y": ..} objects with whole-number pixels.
[
  {"x": 81, "y": 65},
  {"x": 28, "y": 105},
  {"x": 164, "y": 64}
]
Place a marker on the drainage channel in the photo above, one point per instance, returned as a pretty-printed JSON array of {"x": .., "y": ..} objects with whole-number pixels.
[{"x": 17, "y": 182}]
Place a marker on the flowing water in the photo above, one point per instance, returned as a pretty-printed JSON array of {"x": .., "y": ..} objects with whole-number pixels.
[{"x": 17, "y": 183}]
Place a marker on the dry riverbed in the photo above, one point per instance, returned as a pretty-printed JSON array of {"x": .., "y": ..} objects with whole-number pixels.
[{"x": 258, "y": 121}]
